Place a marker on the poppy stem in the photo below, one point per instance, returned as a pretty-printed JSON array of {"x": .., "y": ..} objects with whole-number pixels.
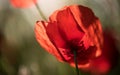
[
  {"x": 75, "y": 60},
  {"x": 40, "y": 12}
]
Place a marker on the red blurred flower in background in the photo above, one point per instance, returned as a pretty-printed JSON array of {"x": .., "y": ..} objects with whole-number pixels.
[
  {"x": 22, "y": 3},
  {"x": 71, "y": 28},
  {"x": 109, "y": 57}
]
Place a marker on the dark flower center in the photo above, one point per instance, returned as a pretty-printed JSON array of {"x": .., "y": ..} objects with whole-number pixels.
[{"x": 74, "y": 45}]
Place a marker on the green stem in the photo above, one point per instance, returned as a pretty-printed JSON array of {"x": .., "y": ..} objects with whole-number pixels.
[
  {"x": 40, "y": 12},
  {"x": 75, "y": 60}
]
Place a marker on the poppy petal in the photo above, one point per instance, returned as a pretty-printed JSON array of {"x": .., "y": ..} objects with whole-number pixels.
[
  {"x": 54, "y": 35},
  {"x": 43, "y": 40},
  {"x": 91, "y": 26},
  {"x": 56, "y": 39},
  {"x": 68, "y": 26}
]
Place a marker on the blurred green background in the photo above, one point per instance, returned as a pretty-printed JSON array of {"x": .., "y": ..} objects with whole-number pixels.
[{"x": 20, "y": 54}]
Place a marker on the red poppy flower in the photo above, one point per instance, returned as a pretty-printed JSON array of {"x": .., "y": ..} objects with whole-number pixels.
[
  {"x": 22, "y": 3},
  {"x": 108, "y": 58},
  {"x": 71, "y": 28}
]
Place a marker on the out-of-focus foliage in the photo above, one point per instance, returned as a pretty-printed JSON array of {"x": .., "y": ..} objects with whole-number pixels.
[{"x": 20, "y": 54}]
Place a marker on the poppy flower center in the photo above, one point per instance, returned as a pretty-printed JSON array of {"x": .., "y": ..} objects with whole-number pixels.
[{"x": 74, "y": 45}]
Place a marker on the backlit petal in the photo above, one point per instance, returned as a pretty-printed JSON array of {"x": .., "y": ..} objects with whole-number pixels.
[
  {"x": 43, "y": 40},
  {"x": 54, "y": 35},
  {"x": 68, "y": 26},
  {"x": 91, "y": 26}
]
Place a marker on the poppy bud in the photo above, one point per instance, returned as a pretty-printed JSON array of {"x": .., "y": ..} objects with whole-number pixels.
[{"x": 23, "y": 3}]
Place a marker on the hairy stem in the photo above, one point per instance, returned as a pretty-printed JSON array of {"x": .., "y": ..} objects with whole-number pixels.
[
  {"x": 75, "y": 60},
  {"x": 40, "y": 12}
]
